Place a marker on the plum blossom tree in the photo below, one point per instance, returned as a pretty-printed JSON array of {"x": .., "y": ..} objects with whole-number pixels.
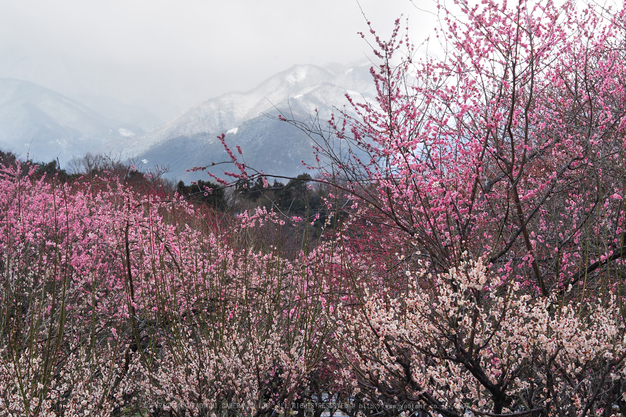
[
  {"x": 115, "y": 302},
  {"x": 497, "y": 174},
  {"x": 510, "y": 147},
  {"x": 464, "y": 344}
]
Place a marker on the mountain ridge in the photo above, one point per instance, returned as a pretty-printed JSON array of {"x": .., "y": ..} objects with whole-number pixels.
[
  {"x": 43, "y": 124},
  {"x": 299, "y": 91}
]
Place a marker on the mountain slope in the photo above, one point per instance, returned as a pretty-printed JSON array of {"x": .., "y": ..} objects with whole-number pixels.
[
  {"x": 268, "y": 144},
  {"x": 249, "y": 118},
  {"x": 47, "y": 125}
]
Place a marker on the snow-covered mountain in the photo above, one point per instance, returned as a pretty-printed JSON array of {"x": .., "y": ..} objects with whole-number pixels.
[
  {"x": 46, "y": 125},
  {"x": 249, "y": 120}
]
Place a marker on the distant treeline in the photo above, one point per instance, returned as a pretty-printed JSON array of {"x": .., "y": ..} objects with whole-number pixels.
[{"x": 299, "y": 197}]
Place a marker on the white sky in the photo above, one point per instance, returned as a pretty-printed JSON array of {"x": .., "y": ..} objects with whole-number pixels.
[{"x": 167, "y": 55}]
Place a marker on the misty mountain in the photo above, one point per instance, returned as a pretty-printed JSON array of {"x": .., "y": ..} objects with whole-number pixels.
[
  {"x": 249, "y": 120},
  {"x": 46, "y": 125},
  {"x": 116, "y": 110},
  {"x": 267, "y": 143}
]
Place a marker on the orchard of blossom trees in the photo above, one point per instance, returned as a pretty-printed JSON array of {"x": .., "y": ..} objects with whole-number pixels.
[{"x": 472, "y": 260}]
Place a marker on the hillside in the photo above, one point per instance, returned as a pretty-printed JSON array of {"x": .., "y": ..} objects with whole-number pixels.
[
  {"x": 249, "y": 120},
  {"x": 46, "y": 125}
]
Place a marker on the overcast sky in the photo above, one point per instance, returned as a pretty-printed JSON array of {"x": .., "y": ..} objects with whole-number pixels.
[{"x": 167, "y": 55}]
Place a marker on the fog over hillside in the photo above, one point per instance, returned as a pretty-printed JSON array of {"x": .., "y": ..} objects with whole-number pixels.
[
  {"x": 159, "y": 81},
  {"x": 45, "y": 125},
  {"x": 249, "y": 120}
]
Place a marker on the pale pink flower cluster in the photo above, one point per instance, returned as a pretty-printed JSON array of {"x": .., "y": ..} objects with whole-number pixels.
[{"x": 458, "y": 341}]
